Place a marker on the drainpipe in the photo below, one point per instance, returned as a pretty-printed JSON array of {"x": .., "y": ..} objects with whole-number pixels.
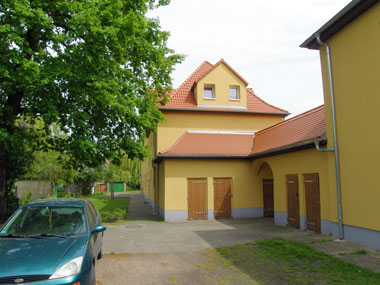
[{"x": 335, "y": 149}]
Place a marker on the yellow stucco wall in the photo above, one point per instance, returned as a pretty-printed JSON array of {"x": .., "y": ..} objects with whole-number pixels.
[
  {"x": 161, "y": 184},
  {"x": 147, "y": 171},
  {"x": 221, "y": 78},
  {"x": 300, "y": 162},
  {"x": 176, "y": 123},
  {"x": 355, "y": 60},
  {"x": 177, "y": 171}
]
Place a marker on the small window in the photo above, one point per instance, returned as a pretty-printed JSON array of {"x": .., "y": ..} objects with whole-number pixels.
[
  {"x": 209, "y": 92},
  {"x": 234, "y": 93}
]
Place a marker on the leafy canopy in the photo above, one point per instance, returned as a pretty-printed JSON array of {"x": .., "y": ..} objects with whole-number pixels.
[{"x": 95, "y": 68}]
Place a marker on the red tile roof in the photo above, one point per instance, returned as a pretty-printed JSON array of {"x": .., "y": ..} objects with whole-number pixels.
[
  {"x": 206, "y": 144},
  {"x": 304, "y": 127},
  {"x": 183, "y": 97},
  {"x": 289, "y": 133}
]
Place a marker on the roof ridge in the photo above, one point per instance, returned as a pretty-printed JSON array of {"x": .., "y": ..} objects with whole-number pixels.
[
  {"x": 311, "y": 111},
  {"x": 174, "y": 143},
  {"x": 229, "y": 67},
  {"x": 266, "y": 103}
]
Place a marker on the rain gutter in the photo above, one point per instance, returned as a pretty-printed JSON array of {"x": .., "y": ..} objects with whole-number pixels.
[{"x": 335, "y": 149}]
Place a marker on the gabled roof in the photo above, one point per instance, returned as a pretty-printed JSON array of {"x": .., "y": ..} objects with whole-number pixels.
[
  {"x": 183, "y": 99},
  {"x": 289, "y": 133},
  {"x": 201, "y": 143},
  {"x": 348, "y": 14}
]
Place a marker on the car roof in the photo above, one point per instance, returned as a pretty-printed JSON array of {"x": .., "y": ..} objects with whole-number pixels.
[{"x": 58, "y": 202}]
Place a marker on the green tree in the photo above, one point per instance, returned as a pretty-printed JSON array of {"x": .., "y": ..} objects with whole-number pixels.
[
  {"x": 127, "y": 170},
  {"x": 94, "y": 68},
  {"x": 50, "y": 165}
]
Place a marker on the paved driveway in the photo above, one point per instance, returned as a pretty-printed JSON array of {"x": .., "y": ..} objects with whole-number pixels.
[
  {"x": 160, "y": 237},
  {"x": 146, "y": 250}
]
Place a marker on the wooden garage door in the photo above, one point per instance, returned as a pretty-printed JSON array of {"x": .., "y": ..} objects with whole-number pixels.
[
  {"x": 313, "y": 207},
  {"x": 197, "y": 198},
  {"x": 101, "y": 188},
  {"x": 293, "y": 200},
  {"x": 268, "y": 197},
  {"x": 222, "y": 198}
]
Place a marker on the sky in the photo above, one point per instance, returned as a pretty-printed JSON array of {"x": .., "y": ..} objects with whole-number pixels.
[{"x": 259, "y": 39}]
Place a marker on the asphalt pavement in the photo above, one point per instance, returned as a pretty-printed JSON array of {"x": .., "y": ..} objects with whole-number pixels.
[{"x": 147, "y": 233}]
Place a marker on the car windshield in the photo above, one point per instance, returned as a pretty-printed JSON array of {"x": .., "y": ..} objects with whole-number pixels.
[{"x": 46, "y": 221}]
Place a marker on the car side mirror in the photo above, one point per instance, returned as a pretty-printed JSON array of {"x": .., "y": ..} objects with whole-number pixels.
[{"x": 99, "y": 228}]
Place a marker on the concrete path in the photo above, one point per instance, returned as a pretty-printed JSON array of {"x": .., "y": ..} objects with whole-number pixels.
[{"x": 145, "y": 233}]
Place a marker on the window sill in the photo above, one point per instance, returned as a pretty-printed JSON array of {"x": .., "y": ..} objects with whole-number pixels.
[
  {"x": 234, "y": 99},
  {"x": 209, "y": 98}
]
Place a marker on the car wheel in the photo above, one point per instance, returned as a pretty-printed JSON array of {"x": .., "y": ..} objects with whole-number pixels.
[{"x": 100, "y": 254}]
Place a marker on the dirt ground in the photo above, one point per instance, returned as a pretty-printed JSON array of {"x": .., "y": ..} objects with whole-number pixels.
[{"x": 204, "y": 267}]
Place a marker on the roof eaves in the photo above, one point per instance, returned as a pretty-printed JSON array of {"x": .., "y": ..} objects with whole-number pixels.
[
  {"x": 164, "y": 108},
  {"x": 264, "y": 102},
  {"x": 348, "y": 14},
  {"x": 161, "y": 157}
]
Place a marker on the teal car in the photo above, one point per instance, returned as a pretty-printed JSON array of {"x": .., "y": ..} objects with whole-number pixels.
[{"x": 53, "y": 241}]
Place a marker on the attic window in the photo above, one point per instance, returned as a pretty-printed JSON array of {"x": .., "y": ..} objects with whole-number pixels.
[
  {"x": 234, "y": 93},
  {"x": 209, "y": 92}
]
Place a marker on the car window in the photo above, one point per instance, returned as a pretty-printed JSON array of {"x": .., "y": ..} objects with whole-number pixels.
[
  {"x": 98, "y": 218},
  {"x": 91, "y": 217},
  {"x": 40, "y": 220}
]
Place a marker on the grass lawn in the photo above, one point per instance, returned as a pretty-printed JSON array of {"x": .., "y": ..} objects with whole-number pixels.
[
  {"x": 278, "y": 261},
  {"x": 111, "y": 210}
]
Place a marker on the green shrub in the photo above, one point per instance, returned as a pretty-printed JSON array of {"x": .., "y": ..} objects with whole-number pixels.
[{"x": 27, "y": 198}]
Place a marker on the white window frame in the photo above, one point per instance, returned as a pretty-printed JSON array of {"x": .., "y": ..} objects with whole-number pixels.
[
  {"x": 208, "y": 87},
  {"x": 237, "y": 93}
]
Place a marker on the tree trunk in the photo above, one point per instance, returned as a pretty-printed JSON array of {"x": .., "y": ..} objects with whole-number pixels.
[
  {"x": 112, "y": 191},
  {"x": 3, "y": 159}
]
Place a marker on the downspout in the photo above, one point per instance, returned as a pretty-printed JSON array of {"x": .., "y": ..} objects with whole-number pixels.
[{"x": 335, "y": 149}]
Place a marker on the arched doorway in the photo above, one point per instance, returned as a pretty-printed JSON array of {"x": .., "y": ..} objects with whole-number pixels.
[{"x": 266, "y": 176}]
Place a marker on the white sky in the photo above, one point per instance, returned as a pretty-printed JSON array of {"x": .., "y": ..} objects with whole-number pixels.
[{"x": 259, "y": 39}]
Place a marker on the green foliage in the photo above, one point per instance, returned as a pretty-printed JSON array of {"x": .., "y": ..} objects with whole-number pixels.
[
  {"x": 26, "y": 199},
  {"x": 86, "y": 178},
  {"x": 51, "y": 166},
  {"x": 127, "y": 170},
  {"x": 93, "y": 69}
]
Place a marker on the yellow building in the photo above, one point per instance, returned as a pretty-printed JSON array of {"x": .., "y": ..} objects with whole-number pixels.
[
  {"x": 214, "y": 116},
  {"x": 349, "y": 46},
  {"x": 222, "y": 152}
]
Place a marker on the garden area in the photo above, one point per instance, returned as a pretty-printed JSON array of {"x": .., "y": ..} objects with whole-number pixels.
[{"x": 112, "y": 210}]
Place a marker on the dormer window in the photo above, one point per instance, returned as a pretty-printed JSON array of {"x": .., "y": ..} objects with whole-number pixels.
[
  {"x": 234, "y": 93},
  {"x": 209, "y": 92}
]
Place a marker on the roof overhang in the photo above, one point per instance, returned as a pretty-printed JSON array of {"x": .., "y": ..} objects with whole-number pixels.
[
  {"x": 348, "y": 14},
  {"x": 209, "y": 110},
  {"x": 161, "y": 157}
]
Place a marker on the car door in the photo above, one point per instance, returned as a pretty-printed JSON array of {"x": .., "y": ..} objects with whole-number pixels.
[{"x": 97, "y": 221}]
